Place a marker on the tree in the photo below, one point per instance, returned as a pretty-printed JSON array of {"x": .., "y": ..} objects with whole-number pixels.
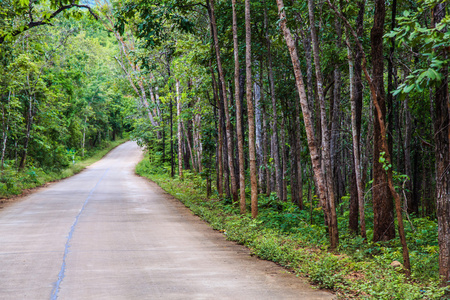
[
  {"x": 31, "y": 17},
  {"x": 251, "y": 114},
  {"x": 237, "y": 92},
  {"x": 315, "y": 159}
]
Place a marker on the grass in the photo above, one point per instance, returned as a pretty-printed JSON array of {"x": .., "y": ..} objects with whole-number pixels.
[
  {"x": 283, "y": 234},
  {"x": 14, "y": 182}
]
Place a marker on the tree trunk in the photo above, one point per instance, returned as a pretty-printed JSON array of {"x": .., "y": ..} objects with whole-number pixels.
[
  {"x": 356, "y": 112},
  {"x": 384, "y": 228},
  {"x": 307, "y": 117},
  {"x": 250, "y": 112},
  {"x": 412, "y": 206},
  {"x": 326, "y": 158},
  {"x": 298, "y": 155},
  {"x": 259, "y": 134},
  {"x": 219, "y": 137},
  {"x": 180, "y": 140},
  {"x": 283, "y": 156},
  {"x": 442, "y": 154},
  {"x": 237, "y": 93},
  {"x": 224, "y": 95},
  {"x": 275, "y": 145},
  {"x": 28, "y": 134},
  {"x": 5, "y": 127}
]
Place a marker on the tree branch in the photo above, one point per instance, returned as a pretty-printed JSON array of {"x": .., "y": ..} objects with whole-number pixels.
[{"x": 46, "y": 21}]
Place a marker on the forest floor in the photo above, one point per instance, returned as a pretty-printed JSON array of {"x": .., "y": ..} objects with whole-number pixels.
[{"x": 107, "y": 233}]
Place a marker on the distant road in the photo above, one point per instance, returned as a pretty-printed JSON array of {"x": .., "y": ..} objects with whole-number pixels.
[{"x": 109, "y": 234}]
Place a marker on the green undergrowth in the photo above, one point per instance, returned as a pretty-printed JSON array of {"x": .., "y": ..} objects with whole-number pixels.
[
  {"x": 297, "y": 240},
  {"x": 14, "y": 182}
]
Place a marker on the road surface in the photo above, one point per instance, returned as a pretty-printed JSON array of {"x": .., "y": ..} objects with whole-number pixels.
[{"x": 109, "y": 234}]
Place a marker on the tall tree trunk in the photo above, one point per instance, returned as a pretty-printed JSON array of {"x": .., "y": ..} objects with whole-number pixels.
[
  {"x": 298, "y": 155},
  {"x": 5, "y": 129},
  {"x": 442, "y": 154},
  {"x": 412, "y": 206},
  {"x": 188, "y": 140},
  {"x": 30, "y": 117},
  {"x": 283, "y": 155},
  {"x": 353, "y": 205},
  {"x": 259, "y": 133},
  {"x": 391, "y": 88},
  {"x": 384, "y": 228},
  {"x": 326, "y": 158},
  {"x": 250, "y": 111},
  {"x": 275, "y": 145},
  {"x": 307, "y": 117},
  {"x": 219, "y": 137},
  {"x": 180, "y": 138},
  {"x": 226, "y": 110},
  {"x": 266, "y": 152},
  {"x": 356, "y": 112},
  {"x": 335, "y": 119},
  {"x": 358, "y": 103},
  {"x": 237, "y": 93}
]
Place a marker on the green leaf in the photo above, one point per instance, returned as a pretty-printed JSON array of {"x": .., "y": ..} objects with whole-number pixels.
[{"x": 409, "y": 88}]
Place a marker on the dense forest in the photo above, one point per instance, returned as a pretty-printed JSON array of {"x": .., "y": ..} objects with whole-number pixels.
[{"x": 340, "y": 108}]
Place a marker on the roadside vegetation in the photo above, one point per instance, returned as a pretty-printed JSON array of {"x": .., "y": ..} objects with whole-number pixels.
[
  {"x": 14, "y": 182},
  {"x": 297, "y": 240}
]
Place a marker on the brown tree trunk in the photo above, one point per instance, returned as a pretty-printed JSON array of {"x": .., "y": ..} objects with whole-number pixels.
[
  {"x": 298, "y": 155},
  {"x": 283, "y": 155},
  {"x": 442, "y": 154},
  {"x": 219, "y": 138},
  {"x": 5, "y": 129},
  {"x": 179, "y": 135},
  {"x": 307, "y": 117},
  {"x": 356, "y": 112},
  {"x": 210, "y": 5},
  {"x": 226, "y": 110},
  {"x": 258, "y": 130},
  {"x": 412, "y": 206},
  {"x": 30, "y": 118},
  {"x": 237, "y": 92},
  {"x": 326, "y": 156},
  {"x": 274, "y": 141},
  {"x": 383, "y": 209},
  {"x": 250, "y": 112}
]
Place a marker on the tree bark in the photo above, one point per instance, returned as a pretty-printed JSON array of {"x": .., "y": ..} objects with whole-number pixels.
[
  {"x": 180, "y": 141},
  {"x": 30, "y": 117},
  {"x": 326, "y": 155},
  {"x": 275, "y": 145},
  {"x": 224, "y": 95},
  {"x": 356, "y": 112},
  {"x": 250, "y": 112},
  {"x": 442, "y": 154},
  {"x": 259, "y": 133},
  {"x": 219, "y": 137},
  {"x": 237, "y": 92},
  {"x": 384, "y": 228},
  {"x": 307, "y": 117}
]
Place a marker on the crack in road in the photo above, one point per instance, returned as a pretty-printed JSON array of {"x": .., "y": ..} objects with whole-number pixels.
[{"x": 57, "y": 284}]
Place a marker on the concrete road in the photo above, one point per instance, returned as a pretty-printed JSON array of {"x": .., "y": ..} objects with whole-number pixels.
[{"x": 109, "y": 234}]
